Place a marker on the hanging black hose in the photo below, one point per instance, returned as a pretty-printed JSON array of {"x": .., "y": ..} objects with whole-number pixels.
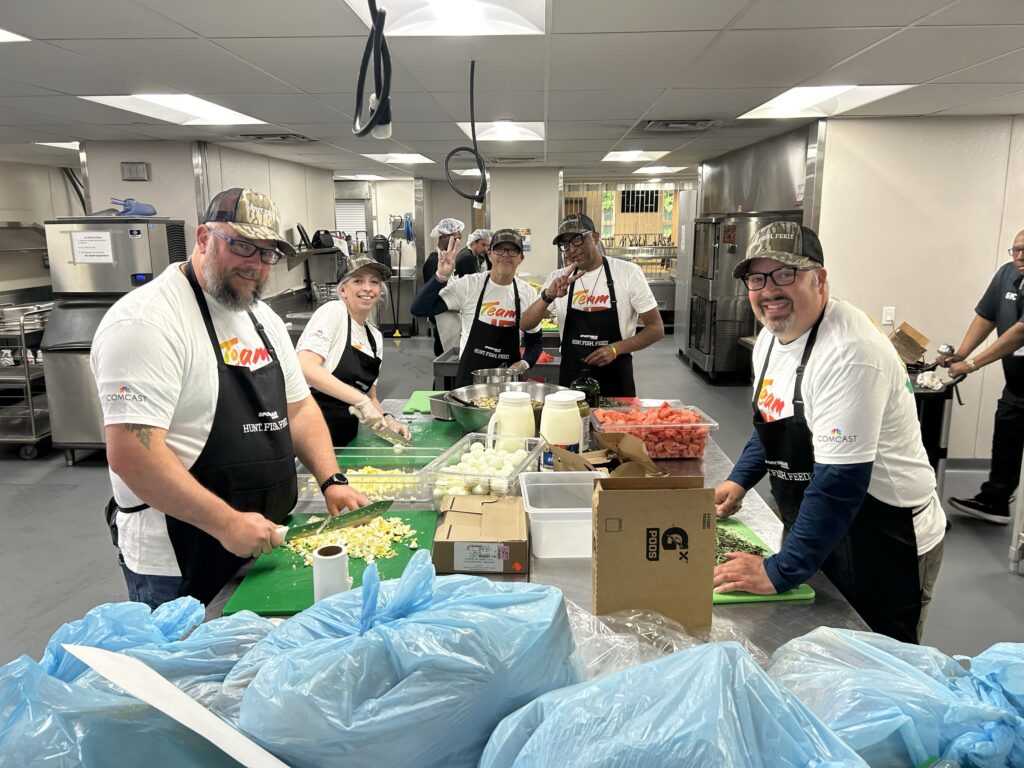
[
  {"x": 75, "y": 185},
  {"x": 380, "y": 101},
  {"x": 480, "y": 195}
]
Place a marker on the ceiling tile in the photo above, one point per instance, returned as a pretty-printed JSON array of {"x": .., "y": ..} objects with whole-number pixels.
[
  {"x": 183, "y": 132},
  {"x": 74, "y": 109},
  {"x": 920, "y": 54},
  {"x": 601, "y": 62},
  {"x": 720, "y": 143},
  {"x": 933, "y": 97},
  {"x": 574, "y": 16},
  {"x": 525, "y": 106},
  {"x": 13, "y": 88},
  {"x": 590, "y": 105},
  {"x": 1005, "y": 69},
  {"x": 580, "y": 145},
  {"x": 760, "y": 128},
  {"x": 429, "y": 131},
  {"x": 1011, "y": 104},
  {"x": 282, "y": 107},
  {"x": 712, "y": 103},
  {"x": 22, "y": 133},
  {"x": 502, "y": 63},
  {"x": 259, "y": 18},
  {"x": 795, "y": 14},
  {"x": 405, "y": 107},
  {"x": 48, "y": 66},
  {"x": 783, "y": 58},
  {"x": 193, "y": 66},
  {"x": 596, "y": 129},
  {"x": 82, "y": 132},
  {"x": 969, "y": 12},
  {"x": 68, "y": 19}
]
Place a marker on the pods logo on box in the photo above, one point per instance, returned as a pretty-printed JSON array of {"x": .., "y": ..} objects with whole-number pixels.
[{"x": 674, "y": 539}]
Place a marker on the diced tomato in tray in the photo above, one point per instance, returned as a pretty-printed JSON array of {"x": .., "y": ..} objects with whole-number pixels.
[{"x": 667, "y": 432}]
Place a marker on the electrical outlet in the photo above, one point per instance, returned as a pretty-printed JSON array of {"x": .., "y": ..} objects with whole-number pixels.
[{"x": 888, "y": 315}]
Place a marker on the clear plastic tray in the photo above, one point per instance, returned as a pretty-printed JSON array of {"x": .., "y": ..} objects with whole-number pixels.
[
  {"x": 559, "y": 506},
  {"x": 664, "y": 440},
  {"x": 401, "y": 478},
  {"x": 442, "y": 473}
]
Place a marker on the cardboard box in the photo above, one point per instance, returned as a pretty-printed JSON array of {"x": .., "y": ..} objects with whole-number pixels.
[
  {"x": 910, "y": 343},
  {"x": 654, "y": 547},
  {"x": 482, "y": 534}
]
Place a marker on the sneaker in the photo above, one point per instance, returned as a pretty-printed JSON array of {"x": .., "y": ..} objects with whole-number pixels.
[{"x": 979, "y": 509}]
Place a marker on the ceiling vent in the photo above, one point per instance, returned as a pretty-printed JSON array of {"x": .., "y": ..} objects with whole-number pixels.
[
  {"x": 276, "y": 138},
  {"x": 680, "y": 126},
  {"x": 512, "y": 160}
]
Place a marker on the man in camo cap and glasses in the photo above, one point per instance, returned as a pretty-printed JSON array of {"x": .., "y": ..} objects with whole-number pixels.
[
  {"x": 206, "y": 409},
  {"x": 836, "y": 431}
]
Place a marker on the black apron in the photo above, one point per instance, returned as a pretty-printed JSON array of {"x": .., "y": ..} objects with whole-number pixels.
[
  {"x": 248, "y": 461},
  {"x": 586, "y": 331},
  {"x": 875, "y": 566},
  {"x": 357, "y": 369},
  {"x": 489, "y": 346}
]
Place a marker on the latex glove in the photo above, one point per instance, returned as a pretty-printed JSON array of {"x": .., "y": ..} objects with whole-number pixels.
[
  {"x": 519, "y": 367},
  {"x": 399, "y": 427},
  {"x": 366, "y": 411}
]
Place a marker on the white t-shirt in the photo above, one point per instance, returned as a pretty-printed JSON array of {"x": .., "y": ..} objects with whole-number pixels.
[
  {"x": 498, "y": 307},
  {"x": 590, "y": 293},
  {"x": 154, "y": 365},
  {"x": 327, "y": 330},
  {"x": 859, "y": 407}
]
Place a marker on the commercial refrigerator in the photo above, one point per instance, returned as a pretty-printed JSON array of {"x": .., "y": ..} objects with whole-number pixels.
[
  {"x": 720, "y": 313},
  {"x": 93, "y": 262}
]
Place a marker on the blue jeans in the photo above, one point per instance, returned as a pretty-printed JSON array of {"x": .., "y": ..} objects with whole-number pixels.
[{"x": 151, "y": 590}]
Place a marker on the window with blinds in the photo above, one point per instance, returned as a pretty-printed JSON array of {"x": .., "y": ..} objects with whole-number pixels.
[{"x": 350, "y": 216}]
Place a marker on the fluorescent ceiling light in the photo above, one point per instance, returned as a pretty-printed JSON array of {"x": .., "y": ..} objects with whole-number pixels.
[
  {"x": 654, "y": 180},
  {"x": 10, "y": 37},
  {"x": 661, "y": 169},
  {"x": 399, "y": 158},
  {"x": 632, "y": 156},
  {"x": 458, "y": 18},
  {"x": 58, "y": 144},
  {"x": 821, "y": 101},
  {"x": 469, "y": 172},
  {"x": 179, "y": 108},
  {"x": 505, "y": 130},
  {"x": 362, "y": 177}
]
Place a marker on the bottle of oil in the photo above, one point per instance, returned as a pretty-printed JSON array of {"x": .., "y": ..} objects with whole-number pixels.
[{"x": 588, "y": 386}]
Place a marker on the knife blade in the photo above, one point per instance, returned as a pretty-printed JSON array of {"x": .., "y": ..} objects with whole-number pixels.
[
  {"x": 360, "y": 516},
  {"x": 385, "y": 433}
]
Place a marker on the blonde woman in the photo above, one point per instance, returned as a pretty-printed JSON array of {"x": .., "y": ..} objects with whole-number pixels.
[{"x": 340, "y": 352}]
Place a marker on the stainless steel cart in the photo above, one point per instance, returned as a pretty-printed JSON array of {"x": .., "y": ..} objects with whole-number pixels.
[{"x": 24, "y": 414}]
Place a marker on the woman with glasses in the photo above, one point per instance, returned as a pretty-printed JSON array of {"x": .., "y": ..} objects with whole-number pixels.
[
  {"x": 490, "y": 305},
  {"x": 340, "y": 352}
]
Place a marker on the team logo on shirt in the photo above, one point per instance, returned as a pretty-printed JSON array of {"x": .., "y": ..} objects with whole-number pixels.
[
  {"x": 835, "y": 436},
  {"x": 1010, "y": 296},
  {"x": 125, "y": 394},
  {"x": 235, "y": 354},
  {"x": 769, "y": 405},
  {"x": 493, "y": 313},
  {"x": 590, "y": 303}
]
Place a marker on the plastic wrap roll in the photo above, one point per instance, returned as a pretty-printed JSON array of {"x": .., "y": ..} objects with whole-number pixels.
[{"x": 330, "y": 572}]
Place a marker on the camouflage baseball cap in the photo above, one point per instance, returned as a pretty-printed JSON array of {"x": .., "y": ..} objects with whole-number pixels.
[
  {"x": 251, "y": 214},
  {"x": 355, "y": 263},
  {"x": 501, "y": 236},
  {"x": 574, "y": 224},
  {"x": 786, "y": 242}
]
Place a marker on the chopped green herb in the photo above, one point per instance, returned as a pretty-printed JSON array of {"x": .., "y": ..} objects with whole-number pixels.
[{"x": 730, "y": 542}]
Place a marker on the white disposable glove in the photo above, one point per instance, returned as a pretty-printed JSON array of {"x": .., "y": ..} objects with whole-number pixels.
[
  {"x": 519, "y": 367},
  {"x": 366, "y": 412},
  {"x": 399, "y": 427}
]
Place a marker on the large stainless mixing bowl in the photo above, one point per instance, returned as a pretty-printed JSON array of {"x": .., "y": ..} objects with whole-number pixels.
[
  {"x": 474, "y": 419},
  {"x": 494, "y": 376}
]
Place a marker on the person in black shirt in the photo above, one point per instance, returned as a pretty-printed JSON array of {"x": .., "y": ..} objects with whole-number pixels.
[
  {"x": 1001, "y": 309},
  {"x": 473, "y": 258}
]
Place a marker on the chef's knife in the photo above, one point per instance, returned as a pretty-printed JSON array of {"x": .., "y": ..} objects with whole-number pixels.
[
  {"x": 360, "y": 516},
  {"x": 385, "y": 433}
]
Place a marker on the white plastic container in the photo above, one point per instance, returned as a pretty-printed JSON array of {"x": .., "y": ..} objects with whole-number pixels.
[
  {"x": 513, "y": 417},
  {"x": 560, "y": 423},
  {"x": 559, "y": 508}
]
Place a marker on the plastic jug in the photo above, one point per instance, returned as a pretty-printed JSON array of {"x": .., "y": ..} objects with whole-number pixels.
[
  {"x": 561, "y": 424},
  {"x": 513, "y": 417}
]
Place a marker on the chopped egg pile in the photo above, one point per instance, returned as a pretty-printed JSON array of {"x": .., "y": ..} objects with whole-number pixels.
[
  {"x": 384, "y": 483},
  {"x": 480, "y": 471},
  {"x": 369, "y": 542}
]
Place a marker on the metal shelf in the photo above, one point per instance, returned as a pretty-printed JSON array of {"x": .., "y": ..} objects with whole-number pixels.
[{"x": 15, "y": 374}]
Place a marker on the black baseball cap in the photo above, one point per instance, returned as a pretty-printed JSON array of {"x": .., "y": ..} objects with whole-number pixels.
[{"x": 502, "y": 236}]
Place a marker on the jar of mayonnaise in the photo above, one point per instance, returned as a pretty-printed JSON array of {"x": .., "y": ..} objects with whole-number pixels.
[{"x": 560, "y": 424}]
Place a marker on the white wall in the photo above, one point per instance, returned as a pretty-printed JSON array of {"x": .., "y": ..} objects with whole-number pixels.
[
  {"x": 917, "y": 213},
  {"x": 441, "y": 202},
  {"x": 528, "y": 198},
  {"x": 31, "y": 194}
]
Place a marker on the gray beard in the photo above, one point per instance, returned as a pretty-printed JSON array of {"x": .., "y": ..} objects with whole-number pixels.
[
  {"x": 218, "y": 286},
  {"x": 779, "y": 326}
]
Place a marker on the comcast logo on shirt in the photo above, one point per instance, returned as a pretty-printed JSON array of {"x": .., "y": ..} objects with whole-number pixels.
[
  {"x": 125, "y": 394},
  {"x": 836, "y": 435}
]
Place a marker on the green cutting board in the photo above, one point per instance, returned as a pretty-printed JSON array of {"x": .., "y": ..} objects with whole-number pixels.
[
  {"x": 278, "y": 584},
  {"x": 419, "y": 401},
  {"x": 425, "y": 434},
  {"x": 803, "y": 592}
]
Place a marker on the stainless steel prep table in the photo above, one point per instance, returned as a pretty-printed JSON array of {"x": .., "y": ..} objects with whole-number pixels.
[{"x": 767, "y": 625}]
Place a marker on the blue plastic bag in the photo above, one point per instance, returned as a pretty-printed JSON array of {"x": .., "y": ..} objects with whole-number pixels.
[
  {"x": 91, "y": 722},
  {"x": 706, "y": 706},
  {"x": 897, "y": 704},
  {"x": 411, "y": 672},
  {"x": 1001, "y": 669}
]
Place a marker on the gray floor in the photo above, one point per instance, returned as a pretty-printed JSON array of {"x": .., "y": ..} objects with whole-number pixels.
[{"x": 58, "y": 561}]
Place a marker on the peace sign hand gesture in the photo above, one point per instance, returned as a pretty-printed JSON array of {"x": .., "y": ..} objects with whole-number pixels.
[
  {"x": 446, "y": 259},
  {"x": 560, "y": 285}
]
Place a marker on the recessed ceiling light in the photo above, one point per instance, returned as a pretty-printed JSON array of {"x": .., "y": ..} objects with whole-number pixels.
[
  {"x": 654, "y": 169},
  {"x": 458, "y": 18},
  {"x": 10, "y": 37},
  {"x": 362, "y": 177},
  {"x": 58, "y": 144},
  {"x": 821, "y": 101},
  {"x": 632, "y": 156},
  {"x": 505, "y": 130},
  {"x": 179, "y": 108},
  {"x": 399, "y": 158}
]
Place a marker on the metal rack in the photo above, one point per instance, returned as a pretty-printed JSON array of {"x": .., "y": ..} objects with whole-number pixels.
[{"x": 24, "y": 413}]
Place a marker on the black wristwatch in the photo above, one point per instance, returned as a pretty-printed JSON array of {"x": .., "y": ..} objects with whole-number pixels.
[
  {"x": 544, "y": 296},
  {"x": 336, "y": 479}
]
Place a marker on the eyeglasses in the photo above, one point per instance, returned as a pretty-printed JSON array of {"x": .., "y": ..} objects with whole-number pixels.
[
  {"x": 577, "y": 240},
  {"x": 755, "y": 281},
  {"x": 247, "y": 250},
  {"x": 510, "y": 251},
  {"x": 1015, "y": 252}
]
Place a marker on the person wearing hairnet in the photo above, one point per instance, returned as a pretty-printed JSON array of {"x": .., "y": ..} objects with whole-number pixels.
[
  {"x": 448, "y": 233},
  {"x": 473, "y": 258}
]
